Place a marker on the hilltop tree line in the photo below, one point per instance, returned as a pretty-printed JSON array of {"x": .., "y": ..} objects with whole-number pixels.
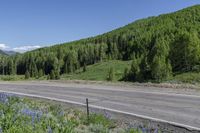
[
  {"x": 54, "y": 61},
  {"x": 158, "y": 47}
]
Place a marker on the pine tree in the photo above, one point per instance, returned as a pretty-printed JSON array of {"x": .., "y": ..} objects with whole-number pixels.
[
  {"x": 192, "y": 57},
  {"x": 27, "y": 75},
  {"x": 65, "y": 68},
  {"x": 160, "y": 67},
  {"x": 115, "y": 51},
  {"x": 57, "y": 74},
  {"x": 185, "y": 52},
  {"x": 11, "y": 67},
  {"x": 40, "y": 73},
  {"x": 84, "y": 67},
  {"x": 135, "y": 70},
  {"x": 52, "y": 74},
  {"x": 145, "y": 70},
  {"x": 126, "y": 74},
  {"x": 48, "y": 77},
  {"x": 71, "y": 60},
  {"x": 102, "y": 50},
  {"x": 33, "y": 69}
]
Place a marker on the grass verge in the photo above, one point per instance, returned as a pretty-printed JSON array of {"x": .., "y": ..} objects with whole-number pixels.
[{"x": 24, "y": 115}]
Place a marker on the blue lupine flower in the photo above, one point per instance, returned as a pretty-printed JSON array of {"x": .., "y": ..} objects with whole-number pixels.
[
  {"x": 32, "y": 113},
  {"x": 144, "y": 130},
  {"x": 61, "y": 113},
  {"x": 107, "y": 115},
  {"x": 4, "y": 97},
  {"x": 49, "y": 130},
  {"x": 156, "y": 130}
]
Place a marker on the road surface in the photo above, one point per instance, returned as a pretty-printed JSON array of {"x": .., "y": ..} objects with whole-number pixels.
[{"x": 177, "y": 106}]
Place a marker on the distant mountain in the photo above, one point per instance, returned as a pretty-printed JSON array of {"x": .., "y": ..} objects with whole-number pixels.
[
  {"x": 10, "y": 52},
  {"x": 2, "y": 52}
]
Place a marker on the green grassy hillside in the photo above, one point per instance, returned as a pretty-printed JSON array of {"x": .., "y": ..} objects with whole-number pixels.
[
  {"x": 100, "y": 71},
  {"x": 190, "y": 77}
]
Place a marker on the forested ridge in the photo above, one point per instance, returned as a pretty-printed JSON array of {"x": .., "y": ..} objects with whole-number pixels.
[{"x": 158, "y": 47}]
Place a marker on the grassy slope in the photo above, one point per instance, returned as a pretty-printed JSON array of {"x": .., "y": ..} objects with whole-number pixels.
[
  {"x": 11, "y": 77},
  {"x": 99, "y": 71},
  {"x": 190, "y": 77}
]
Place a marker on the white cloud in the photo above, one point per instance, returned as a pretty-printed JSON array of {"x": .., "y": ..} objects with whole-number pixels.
[
  {"x": 3, "y": 46},
  {"x": 22, "y": 49}
]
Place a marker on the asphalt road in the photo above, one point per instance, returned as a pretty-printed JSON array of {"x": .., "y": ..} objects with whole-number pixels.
[{"x": 155, "y": 103}]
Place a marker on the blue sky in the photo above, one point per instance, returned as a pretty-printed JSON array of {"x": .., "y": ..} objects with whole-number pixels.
[{"x": 27, "y": 24}]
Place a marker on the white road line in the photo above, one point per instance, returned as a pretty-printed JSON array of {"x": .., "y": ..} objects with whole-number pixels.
[{"x": 104, "y": 108}]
